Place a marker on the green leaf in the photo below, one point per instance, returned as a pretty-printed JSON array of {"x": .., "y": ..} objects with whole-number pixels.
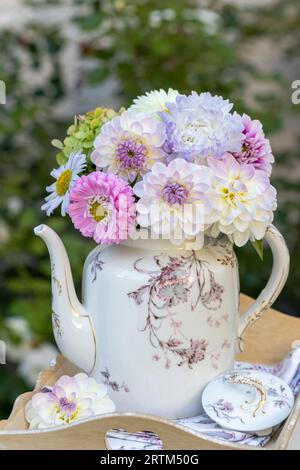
[
  {"x": 71, "y": 129},
  {"x": 259, "y": 248},
  {"x": 57, "y": 144},
  {"x": 61, "y": 158}
]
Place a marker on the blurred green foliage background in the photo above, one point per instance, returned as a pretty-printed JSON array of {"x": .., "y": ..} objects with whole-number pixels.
[{"x": 128, "y": 47}]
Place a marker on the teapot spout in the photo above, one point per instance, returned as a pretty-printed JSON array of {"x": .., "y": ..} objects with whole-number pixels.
[{"x": 72, "y": 326}]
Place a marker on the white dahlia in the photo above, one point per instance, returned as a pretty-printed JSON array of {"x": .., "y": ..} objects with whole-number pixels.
[
  {"x": 154, "y": 101},
  {"x": 243, "y": 200},
  {"x": 70, "y": 399}
]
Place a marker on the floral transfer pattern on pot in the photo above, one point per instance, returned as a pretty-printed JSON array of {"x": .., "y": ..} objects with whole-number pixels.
[
  {"x": 96, "y": 264},
  {"x": 115, "y": 386},
  {"x": 56, "y": 324},
  {"x": 175, "y": 281}
]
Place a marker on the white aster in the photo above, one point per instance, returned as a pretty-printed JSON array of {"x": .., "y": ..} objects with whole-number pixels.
[
  {"x": 243, "y": 200},
  {"x": 154, "y": 101},
  {"x": 129, "y": 145},
  {"x": 65, "y": 176},
  {"x": 173, "y": 199}
]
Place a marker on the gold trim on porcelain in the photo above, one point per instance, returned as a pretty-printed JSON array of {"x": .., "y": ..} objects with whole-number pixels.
[{"x": 254, "y": 383}]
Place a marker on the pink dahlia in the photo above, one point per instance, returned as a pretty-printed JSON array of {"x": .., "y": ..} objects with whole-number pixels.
[
  {"x": 102, "y": 207},
  {"x": 256, "y": 149}
]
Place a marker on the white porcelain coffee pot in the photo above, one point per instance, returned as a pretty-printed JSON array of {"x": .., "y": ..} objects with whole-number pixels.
[{"x": 157, "y": 321}]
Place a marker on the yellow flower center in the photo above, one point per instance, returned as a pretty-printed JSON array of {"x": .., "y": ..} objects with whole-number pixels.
[
  {"x": 98, "y": 211},
  {"x": 63, "y": 182},
  {"x": 232, "y": 197},
  {"x": 64, "y": 418}
]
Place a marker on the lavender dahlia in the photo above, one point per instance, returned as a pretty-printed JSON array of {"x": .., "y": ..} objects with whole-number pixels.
[
  {"x": 173, "y": 198},
  {"x": 129, "y": 145},
  {"x": 200, "y": 126}
]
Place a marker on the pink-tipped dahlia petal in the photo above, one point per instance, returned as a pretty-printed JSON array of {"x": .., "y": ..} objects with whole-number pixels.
[{"x": 256, "y": 149}]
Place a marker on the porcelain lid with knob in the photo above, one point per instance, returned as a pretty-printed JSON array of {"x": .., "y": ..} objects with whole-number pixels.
[{"x": 247, "y": 400}]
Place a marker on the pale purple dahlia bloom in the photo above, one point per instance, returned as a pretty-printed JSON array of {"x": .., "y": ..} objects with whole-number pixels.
[
  {"x": 200, "y": 126},
  {"x": 102, "y": 207},
  {"x": 173, "y": 198},
  {"x": 256, "y": 149},
  {"x": 129, "y": 145}
]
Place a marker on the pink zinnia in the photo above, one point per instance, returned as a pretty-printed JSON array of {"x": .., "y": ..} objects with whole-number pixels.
[
  {"x": 256, "y": 149},
  {"x": 102, "y": 207}
]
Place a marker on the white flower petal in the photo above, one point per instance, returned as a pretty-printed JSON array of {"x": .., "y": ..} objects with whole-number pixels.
[
  {"x": 154, "y": 102},
  {"x": 241, "y": 238},
  {"x": 77, "y": 164}
]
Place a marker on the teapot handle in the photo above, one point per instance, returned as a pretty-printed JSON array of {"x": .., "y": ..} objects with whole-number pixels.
[{"x": 279, "y": 274}]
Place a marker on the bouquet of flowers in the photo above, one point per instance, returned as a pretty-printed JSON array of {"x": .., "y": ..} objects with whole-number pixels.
[{"x": 167, "y": 152}]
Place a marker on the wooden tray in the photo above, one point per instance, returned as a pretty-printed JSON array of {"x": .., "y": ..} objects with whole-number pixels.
[{"x": 268, "y": 341}]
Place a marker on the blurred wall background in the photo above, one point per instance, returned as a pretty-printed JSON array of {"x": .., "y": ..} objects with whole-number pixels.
[{"x": 59, "y": 58}]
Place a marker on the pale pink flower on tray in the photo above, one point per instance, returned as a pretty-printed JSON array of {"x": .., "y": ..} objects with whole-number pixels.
[
  {"x": 256, "y": 149},
  {"x": 129, "y": 144},
  {"x": 102, "y": 207},
  {"x": 243, "y": 200},
  {"x": 70, "y": 399}
]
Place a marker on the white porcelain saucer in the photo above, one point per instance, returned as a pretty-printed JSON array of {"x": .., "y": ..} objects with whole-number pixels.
[{"x": 247, "y": 400}]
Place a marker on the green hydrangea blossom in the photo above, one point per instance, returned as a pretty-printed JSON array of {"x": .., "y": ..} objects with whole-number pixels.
[{"x": 81, "y": 134}]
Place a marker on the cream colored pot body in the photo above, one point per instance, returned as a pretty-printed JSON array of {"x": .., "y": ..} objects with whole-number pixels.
[{"x": 158, "y": 321}]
